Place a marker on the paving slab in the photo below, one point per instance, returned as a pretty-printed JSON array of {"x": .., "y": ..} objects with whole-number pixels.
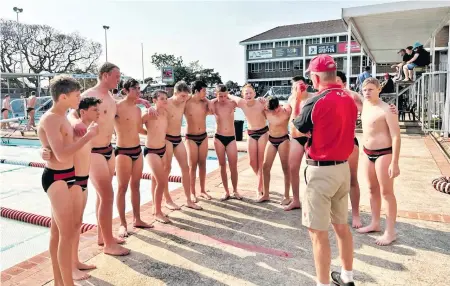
[{"x": 245, "y": 243}]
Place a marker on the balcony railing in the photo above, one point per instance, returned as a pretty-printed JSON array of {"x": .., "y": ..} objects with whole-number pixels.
[{"x": 275, "y": 74}]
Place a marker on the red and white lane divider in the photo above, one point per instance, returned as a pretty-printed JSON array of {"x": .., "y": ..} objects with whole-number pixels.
[
  {"x": 36, "y": 219},
  {"x": 145, "y": 176}
]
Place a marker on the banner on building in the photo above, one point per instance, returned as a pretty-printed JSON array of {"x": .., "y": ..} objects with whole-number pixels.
[
  {"x": 167, "y": 75},
  {"x": 321, "y": 49},
  {"x": 355, "y": 48},
  {"x": 260, "y": 54}
]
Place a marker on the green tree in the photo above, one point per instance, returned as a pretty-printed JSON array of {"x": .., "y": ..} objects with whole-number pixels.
[
  {"x": 189, "y": 73},
  {"x": 149, "y": 80},
  {"x": 164, "y": 60}
]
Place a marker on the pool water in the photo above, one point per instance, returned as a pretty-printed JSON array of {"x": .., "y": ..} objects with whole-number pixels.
[
  {"x": 210, "y": 119},
  {"x": 21, "y": 189}
]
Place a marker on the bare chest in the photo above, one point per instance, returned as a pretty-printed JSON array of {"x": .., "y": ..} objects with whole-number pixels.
[
  {"x": 107, "y": 110},
  {"x": 196, "y": 109}
]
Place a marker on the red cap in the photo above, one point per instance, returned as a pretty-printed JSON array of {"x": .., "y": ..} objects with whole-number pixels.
[{"x": 322, "y": 63}]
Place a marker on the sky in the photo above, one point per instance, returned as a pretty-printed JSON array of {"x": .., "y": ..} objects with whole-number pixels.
[{"x": 208, "y": 31}]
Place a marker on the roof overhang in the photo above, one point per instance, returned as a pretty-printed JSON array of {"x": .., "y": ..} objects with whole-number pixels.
[{"x": 383, "y": 29}]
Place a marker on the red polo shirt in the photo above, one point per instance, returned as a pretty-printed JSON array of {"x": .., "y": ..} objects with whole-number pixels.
[{"x": 330, "y": 116}]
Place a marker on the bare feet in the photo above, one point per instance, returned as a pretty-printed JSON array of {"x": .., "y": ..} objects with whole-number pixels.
[
  {"x": 116, "y": 250},
  {"x": 237, "y": 196},
  {"x": 79, "y": 275},
  {"x": 293, "y": 206},
  {"x": 225, "y": 197},
  {"x": 192, "y": 205},
  {"x": 356, "y": 222},
  {"x": 205, "y": 196},
  {"x": 118, "y": 240},
  {"x": 369, "y": 228},
  {"x": 172, "y": 206},
  {"x": 122, "y": 231},
  {"x": 142, "y": 224},
  {"x": 162, "y": 218},
  {"x": 263, "y": 199},
  {"x": 83, "y": 266},
  {"x": 194, "y": 198},
  {"x": 285, "y": 201},
  {"x": 386, "y": 239}
]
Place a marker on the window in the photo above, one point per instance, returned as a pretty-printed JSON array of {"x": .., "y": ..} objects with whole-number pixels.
[
  {"x": 344, "y": 38},
  {"x": 285, "y": 66},
  {"x": 312, "y": 41},
  {"x": 297, "y": 65},
  {"x": 281, "y": 44},
  {"x": 266, "y": 45},
  {"x": 296, "y": 43},
  {"x": 329, "y": 40},
  {"x": 270, "y": 67},
  {"x": 254, "y": 68},
  {"x": 253, "y": 47}
]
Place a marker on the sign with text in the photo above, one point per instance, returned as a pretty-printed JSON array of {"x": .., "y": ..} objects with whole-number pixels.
[
  {"x": 274, "y": 53},
  {"x": 342, "y": 47},
  {"x": 167, "y": 75},
  {"x": 321, "y": 49},
  {"x": 260, "y": 54}
]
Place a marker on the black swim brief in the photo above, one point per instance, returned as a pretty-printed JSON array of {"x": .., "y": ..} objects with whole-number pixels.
[
  {"x": 160, "y": 151},
  {"x": 373, "y": 155},
  {"x": 82, "y": 181},
  {"x": 225, "y": 140},
  {"x": 276, "y": 141},
  {"x": 49, "y": 176},
  {"x": 198, "y": 139},
  {"x": 301, "y": 140},
  {"x": 174, "y": 139},
  {"x": 132, "y": 152},
  {"x": 105, "y": 151},
  {"x": 256, "y": 134}
]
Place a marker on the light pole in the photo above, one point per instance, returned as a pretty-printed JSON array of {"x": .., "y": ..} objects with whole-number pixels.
[
  {"x": 142, "y": 59},
  {"x": 106, "y": 41},
  {"x": 19, "y": 10}
]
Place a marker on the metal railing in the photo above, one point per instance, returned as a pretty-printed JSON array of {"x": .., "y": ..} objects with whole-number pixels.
[
  {"x": 282, "y": 92},
  {"x": 425, "y": 100}
]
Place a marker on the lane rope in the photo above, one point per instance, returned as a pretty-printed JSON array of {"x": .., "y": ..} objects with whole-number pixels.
[{"x": 145, "y": 176}]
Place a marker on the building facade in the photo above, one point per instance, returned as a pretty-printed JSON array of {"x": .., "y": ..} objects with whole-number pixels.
[{"x": 273, "y": 57}]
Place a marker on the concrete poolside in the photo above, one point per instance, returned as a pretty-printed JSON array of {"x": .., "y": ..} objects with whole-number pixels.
[{"x": 244, "y": 243}]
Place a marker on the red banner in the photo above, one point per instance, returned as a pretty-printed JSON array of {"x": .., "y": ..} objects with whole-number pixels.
[{"x": 342, "y": 48}]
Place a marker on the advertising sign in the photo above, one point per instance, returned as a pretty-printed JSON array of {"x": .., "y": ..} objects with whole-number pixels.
[
  {"x": 321, "y": 49},
  {"x": 261, "y": 54},
  {"x": 167, "y": 75},
  {"x": 355, "y": 48}
]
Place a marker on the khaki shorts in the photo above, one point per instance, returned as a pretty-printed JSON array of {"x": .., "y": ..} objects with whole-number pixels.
[{"x": 325, "y": 196}]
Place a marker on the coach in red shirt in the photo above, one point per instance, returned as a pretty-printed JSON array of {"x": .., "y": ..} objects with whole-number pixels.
[{"x": 329, "y": 119}]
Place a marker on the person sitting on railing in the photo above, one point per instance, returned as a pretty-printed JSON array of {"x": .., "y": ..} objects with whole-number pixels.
[
  {"x": 406, "y": 56},
  {"x": 421, "y": 58},
  {"x": 387, "y": 86}
]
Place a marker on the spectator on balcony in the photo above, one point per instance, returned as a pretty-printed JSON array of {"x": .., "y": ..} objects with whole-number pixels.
[
  {"x": 421, "y": 58},
  {"x": 362, "y": 77},
  {"x": 387, "y": 86},
  {"x": 406, "y": 56}
]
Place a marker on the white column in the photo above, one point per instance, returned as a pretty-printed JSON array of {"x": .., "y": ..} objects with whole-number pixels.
[
  {"x": 446, "y": 119},
  {"x": 361, "y": 61},
  {"x": 374, "y": 69},
  {"x": 433, "y": 53},
  {"x": 246, "y": 64},
  {"x": 349, "y": 48},
  {"x": 304, "y": 57}
]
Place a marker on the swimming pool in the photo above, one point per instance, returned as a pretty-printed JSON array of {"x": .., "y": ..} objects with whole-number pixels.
[
  {"x": 21, "y": 190},
  {"x": 17, "y": 107}
]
